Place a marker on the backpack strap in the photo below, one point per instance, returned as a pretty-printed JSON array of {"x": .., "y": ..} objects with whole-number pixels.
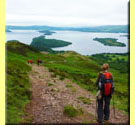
[{"x": 107, "y": 75}]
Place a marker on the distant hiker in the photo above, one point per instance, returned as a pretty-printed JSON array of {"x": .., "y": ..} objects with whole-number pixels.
[
  {"x": 30, "y": 61},
  {"x": 105, "y": 89},
  {"x": 39, "y": 62}
]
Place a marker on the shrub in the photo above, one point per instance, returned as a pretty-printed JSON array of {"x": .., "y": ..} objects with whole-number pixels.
[
  {"x": 50, "y": 84},
  {"x": 69, "y": 86},
  {"x": 70, "y": 111},
  {"x": 84, "y": 100}
]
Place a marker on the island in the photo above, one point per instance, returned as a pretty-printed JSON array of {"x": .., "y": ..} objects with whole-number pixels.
[
  {"x": 43, "y": 44},
  {"x": 128, "y": 36},
  {"x": 110, "y": 42},
  {"x": 7, "y": 30},
  {"x": 47, "y": 32}
]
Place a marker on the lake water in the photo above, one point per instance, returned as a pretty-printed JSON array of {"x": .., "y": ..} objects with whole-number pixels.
[{"x": 82, "y": 42}]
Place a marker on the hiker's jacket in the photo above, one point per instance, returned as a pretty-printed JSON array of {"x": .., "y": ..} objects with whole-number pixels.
[{"x": 101, "y": 81}]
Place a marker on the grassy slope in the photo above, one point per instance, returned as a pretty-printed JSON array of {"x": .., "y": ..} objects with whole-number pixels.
[
  {"x": 17, "y": 87},
  {"x": 18, "y": 94},
  {"x": 80, "y": 69}
]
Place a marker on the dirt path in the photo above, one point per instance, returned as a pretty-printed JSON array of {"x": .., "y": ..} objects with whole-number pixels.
[{"x": 50, "y": 95}]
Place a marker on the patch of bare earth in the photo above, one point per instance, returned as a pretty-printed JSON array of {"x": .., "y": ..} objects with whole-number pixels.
[{"x": 50, "y": 95}]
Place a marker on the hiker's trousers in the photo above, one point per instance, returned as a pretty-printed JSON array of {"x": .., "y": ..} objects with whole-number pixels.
[{"x": 103, "y": 108}]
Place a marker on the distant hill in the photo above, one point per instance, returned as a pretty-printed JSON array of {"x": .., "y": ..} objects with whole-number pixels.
[{"x": 107, "y": 28}]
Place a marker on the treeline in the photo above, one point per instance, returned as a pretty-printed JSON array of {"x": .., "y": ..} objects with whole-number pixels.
[{"x": 117, "y": 61}]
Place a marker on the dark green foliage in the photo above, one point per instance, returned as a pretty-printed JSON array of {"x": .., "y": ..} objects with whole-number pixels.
[
  {"x": 116, "y": 61},
  {"x": 109, "y": 42},
  {"x": 50, "y": 84},
  {"x": 43, "y": 44}
]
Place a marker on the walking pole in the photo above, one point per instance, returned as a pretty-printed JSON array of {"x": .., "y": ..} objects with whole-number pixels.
[
  {"x": 113, "y": 107},
  {"x": 96, "y": 110}
]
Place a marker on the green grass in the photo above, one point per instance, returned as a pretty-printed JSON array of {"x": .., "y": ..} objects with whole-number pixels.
[
  {"x": 53, "y": 75},
  {"x": 84, "y": 100},
  {"x": 69, "y": 86},
  {"x": 80, "y": 69},
  {"x": 70, "y": 111},
  {"x": 50, "y": 84},
  {"x": 17, "y": 89},
  {"x": 17, "y": 79}
]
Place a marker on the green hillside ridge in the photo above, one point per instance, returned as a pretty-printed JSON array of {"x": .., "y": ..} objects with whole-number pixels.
[
  {"x": 82, "y": 70},
  {"x": 43, "y": 44},
  {"x": 110, "y": 42},
  {"x": 104, "y": 28}
]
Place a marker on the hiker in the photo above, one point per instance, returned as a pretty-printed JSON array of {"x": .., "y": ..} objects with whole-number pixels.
[
  {"x": 30, "y": 61},
  {"x": 105, "y": 90},
  {"x": 39, "y": 62}
]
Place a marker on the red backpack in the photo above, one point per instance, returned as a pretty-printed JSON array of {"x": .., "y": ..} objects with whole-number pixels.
[{"x": 107, "y": 84}]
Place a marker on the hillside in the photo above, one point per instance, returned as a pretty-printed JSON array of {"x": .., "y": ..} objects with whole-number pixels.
[
  {"x": 107, "y": 28},
  {"x": 70, "y": 72}
]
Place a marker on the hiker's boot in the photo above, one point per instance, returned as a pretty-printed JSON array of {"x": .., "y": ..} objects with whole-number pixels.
[{"x": 99, "y": 121}]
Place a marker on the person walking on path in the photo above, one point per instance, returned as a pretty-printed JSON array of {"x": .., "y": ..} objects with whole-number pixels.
[
  {"x": 39, "y": 62},
  {"x": 105, "y": 90}
]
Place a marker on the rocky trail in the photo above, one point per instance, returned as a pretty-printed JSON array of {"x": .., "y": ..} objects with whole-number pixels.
[{"x": 50, "y": 95}]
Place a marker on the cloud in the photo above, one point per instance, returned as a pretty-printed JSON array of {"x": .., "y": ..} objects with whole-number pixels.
[{"x": 66, "y": 12}]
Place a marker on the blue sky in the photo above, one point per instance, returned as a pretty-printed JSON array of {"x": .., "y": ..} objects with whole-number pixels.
[{"x": 66, "y": 12}]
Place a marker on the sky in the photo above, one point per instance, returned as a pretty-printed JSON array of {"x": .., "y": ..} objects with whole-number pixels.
[{"x": 74, "y": 13}]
